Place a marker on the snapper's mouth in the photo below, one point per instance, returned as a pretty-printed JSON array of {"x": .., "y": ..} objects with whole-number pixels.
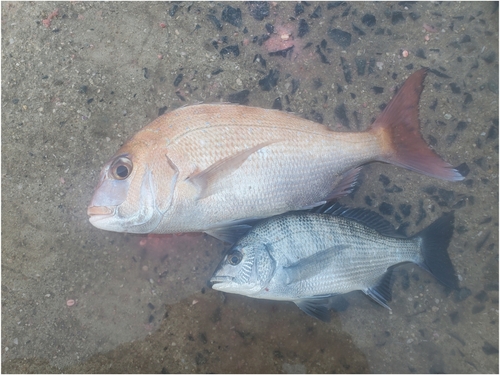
[{"x": 94, "y": 211}]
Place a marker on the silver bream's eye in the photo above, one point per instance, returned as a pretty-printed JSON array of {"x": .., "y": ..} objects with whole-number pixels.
[{"x": 234, "y": 257}]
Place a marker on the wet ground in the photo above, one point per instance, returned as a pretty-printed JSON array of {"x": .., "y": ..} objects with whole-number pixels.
[{"x": 79, "y": 78}]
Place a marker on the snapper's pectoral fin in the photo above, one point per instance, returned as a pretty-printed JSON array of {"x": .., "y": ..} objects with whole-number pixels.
[
  {"x": 205, "y": 179},
  {"x": 381, "y": 293},
  {"x": 346, "y": 184},
  {"x": 315, "y": 307}
]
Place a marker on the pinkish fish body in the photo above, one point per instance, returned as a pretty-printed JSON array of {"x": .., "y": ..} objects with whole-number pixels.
[{"x": 204, "y": 168}]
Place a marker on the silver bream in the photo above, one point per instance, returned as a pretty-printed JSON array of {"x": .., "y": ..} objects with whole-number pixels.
[{"x": 309, "y": 257}]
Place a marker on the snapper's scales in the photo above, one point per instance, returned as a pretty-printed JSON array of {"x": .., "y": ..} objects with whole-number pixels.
[{"x": 211, "y": 166}]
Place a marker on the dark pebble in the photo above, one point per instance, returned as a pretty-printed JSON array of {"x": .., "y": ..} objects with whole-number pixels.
[
  {"x": 240, "y": 97},
  {"x": 482, "y": 163},
  {"x": 269, "y": 28},
  {"x": 230, "y": 49},
  {"x": 317, "y": 117},
  {"x": 259, "y": 58},
  {"x": 360, "y": 65},
  {"x": 463, "y": 294},
  {"x": 489, "y": 349},
  {"x": 462, "y": 125},
  {"x": 90, "y": 100},
  {"x": 323, "y": 43},
  {"x": 324, "y": 60},
  {"x": 317, "y": 83},
  {"x": 432, "y": 140},
  {"x": 303, "y": 28},
  {"x": 215, "y": 21},
  {"x": 335, "y": 4},
  {"x": 358, "y": 30},
  {"x": 446, "y": 195},
  {"x": 481, "y": 243},
  {"x": 173, "y": 10},
  {"x": 269, "y": 81},
  {"x": 380, "y": 31},
  {"x": 451, "y": 138},
  {"x": 345, "y": 13},
  {"x": 476, "y": 309},
  {"x": 454, "y": 317},
  {"x": 455, "y": 88},
  {"x": 215, "y": 44},
  {"x": 178, "y": 79},
  {"x": 342, "y": 38},
  {"x": 384, "y": 180},
  {"x": 203, "y": 338},
  {"x": 151, "y": 306},
  {"x": 162, "y": 110},
  {"x": 420, "y": 53},
  {"x": 15, "y": 101},
  {"x": 405, "y": 209},
  {"x": 295, "y": 85},
  {"x": 414, "y": 16},
  {"x": 397, "y": 17},
  {"x": 316, "y": 13},
  {"x": 368, "y": 200},
  {"x": 200, "y": 359},
  {"x": 377, "y": 89},
  {"x": 468, "y": 99},
  {"x": 486, "y": 220},
  {"x": 341, "y": 115},
  {"x": 83, "y": 89},
  {"x": 151, "y": 318},
  {"x": 409, "y": 66},
  {"x": 369, "y": 20},
  {"x": 283, "y": 53},
  {"x": 346, "y": 69},
  {"x": 493, "y": 132},
  {"x": 491, "y": 57},
  {"x": 386, "y": 208},
  {"x": 277, "y": 104},
  {"x": 394, "y": 189},
  {"x": 461, "y": 203},
  {"x": 299, "y": 9},
  {"x": 259, "y": 9},
  {"x": 232, "y": 15},
  {"x": 217, "y": 71},
  {"x": 482, "y": 296},
  {"x": 466, "y": 39}
]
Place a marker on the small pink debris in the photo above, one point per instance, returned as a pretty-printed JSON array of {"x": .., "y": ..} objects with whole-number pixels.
[
  {"x": 430, "y": 28},
  {"x": 61, "y": 180},
  {"x": 427, "y": 37},
  {"x": 405, "y": 53},
  {"x": 70, "y": 302},
  {"x": 163, "y": 25},
  {"x": 46, "y": 22},
  {"x": 160, "y": 57},
  {"x": 195, "y": 301}
]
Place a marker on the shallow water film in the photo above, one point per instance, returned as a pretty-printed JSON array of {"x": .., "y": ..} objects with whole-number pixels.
[{"x": 79, "y": 79}]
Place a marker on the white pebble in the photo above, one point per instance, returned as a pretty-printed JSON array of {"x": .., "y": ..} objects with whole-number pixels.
[{"x": 447, "y": 116}]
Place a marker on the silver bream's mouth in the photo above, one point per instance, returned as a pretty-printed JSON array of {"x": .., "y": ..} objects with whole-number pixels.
[{"x": 221, "y": 279}]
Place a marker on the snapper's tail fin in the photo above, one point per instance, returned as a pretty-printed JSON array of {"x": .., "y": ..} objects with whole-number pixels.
[
  {"x": 398, "y": 128},
  {"x": 434, "y": 249}
]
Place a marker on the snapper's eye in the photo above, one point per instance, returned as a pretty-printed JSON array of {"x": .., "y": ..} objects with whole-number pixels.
[
  {"x": 234, "y": 257},
  {"x": 121, "y": 168}
]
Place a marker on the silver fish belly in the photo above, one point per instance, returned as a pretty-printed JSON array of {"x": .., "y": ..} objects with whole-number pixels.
[{"x": 308, "y": 257}]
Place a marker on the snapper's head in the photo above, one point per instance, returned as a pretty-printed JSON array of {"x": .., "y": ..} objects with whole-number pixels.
[
  {"x": 246, "y": 269},
  {"x": 135, "y": 188}
]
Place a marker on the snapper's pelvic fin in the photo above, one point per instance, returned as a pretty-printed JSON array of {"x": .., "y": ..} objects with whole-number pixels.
[{"x": 398, "y": 127}]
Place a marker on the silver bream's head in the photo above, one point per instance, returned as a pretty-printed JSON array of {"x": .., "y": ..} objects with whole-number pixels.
[{"x": 246, "y": 269}]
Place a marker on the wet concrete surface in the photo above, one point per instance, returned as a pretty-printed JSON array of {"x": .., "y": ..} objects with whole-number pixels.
[{"x": 78, "y": 79}]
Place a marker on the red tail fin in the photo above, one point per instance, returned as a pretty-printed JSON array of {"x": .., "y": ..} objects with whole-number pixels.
[{"x": 398, "y": 126}]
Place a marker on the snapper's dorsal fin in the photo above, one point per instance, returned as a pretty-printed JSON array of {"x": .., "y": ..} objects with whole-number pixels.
[{"x": 204, "y": 180}]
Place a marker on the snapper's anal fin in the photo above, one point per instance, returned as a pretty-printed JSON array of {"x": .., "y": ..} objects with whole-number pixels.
[
  {"x": 399, "y": 130},
  {"x": 204, "y": 180}
]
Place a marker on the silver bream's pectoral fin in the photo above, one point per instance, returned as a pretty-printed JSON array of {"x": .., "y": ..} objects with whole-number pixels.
[
  {"x": 205, "y": 179},
  {"x": 312, "y": 265}
]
